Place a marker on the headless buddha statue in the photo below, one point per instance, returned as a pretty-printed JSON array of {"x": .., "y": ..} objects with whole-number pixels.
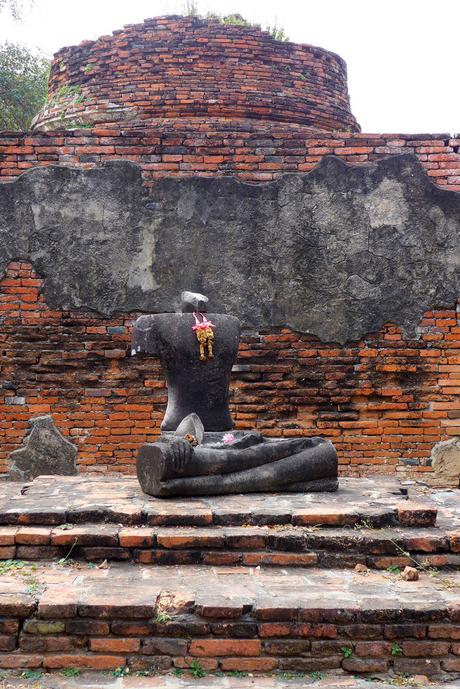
[{"x": 195, "y": 455}]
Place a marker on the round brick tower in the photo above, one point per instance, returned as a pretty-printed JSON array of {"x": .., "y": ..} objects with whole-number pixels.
[{"x": 171, "y": 68}]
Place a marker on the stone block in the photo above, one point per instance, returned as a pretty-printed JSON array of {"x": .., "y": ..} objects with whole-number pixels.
[
  {"x": 44, "y": 627},
  {"x": 365, "y": 665},
  {"x": 87, "y": 627},
  {"x": 236, "y": 630},
  {"x": 84, "y": 661},
  {"x": 164, "y": 647},
  {"x": 225, "y": 647},
  {"x": 110, "y": 645},
  {"x": 445, "y": 460},
  {"x": 149, "y": 663},
  {"x": 248, "y": 664},
  {"x": 45, "y": 452}
]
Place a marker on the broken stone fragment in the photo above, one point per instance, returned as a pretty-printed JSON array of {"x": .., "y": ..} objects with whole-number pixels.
[
  {"x": 445, "y": 459},
  {"x": 361, "y": 569},
  {"x": 193, "y": 301},
  {"x": 191, "y": 425},
  {"x": 410, "y": 574},
  {"x": 44, "y": 452}
]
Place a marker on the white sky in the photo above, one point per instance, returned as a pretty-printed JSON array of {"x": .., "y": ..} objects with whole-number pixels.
[{"x": 402, "y": 55}]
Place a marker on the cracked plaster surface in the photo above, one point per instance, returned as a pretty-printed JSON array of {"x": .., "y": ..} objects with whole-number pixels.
[{"x": 336, "y": 252}]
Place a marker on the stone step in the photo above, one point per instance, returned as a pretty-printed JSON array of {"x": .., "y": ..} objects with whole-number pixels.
[
  {"x": 243, "y": 680},
  {"x": 318, "y": 680},
  {"x": 51, "y": 500},
  {"x": 228, "y": 619},
  {"x": 250, "y": 546}
]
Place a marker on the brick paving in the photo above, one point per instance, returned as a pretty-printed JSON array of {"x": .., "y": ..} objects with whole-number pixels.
[
  {"x": 94, "y": 680},
  {"x": 168, "y": 681},
  {"x": 101, "y": 499}
]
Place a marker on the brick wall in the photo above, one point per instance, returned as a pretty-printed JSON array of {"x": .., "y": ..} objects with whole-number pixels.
[
  {"x": 253, "y": 151},
  {"x": 384, "y": 401},
  {"x": 186, "y": 67}
]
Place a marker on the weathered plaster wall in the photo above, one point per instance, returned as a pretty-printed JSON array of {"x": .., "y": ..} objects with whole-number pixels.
[{"x": 335, "y": 253}]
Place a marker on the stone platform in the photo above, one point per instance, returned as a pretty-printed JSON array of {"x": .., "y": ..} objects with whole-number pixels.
[
  {"x": 376, "y": 523},
  {"x": 254, "y": 583},
  {"x": 53, "y": 500},
  {"x": 243, "y": 680}
]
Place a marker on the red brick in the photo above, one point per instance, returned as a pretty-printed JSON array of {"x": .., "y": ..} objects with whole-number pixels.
[
  {"x": 372, "y": 649},
  {"x": 224, "y": 647},
  {"x": 33, "y": 535},
  {"x": 249, "y": 664},
  {"x": 21, "y": 661},
  {"x": 7, "y": 534},
  {"x": 207, "y": 664},
  {"x": 424, "y": 649},
  {"x": 89, "y": 662},
  {"x": 136, "y": 538},
  {"x": 443, "y": 631}
]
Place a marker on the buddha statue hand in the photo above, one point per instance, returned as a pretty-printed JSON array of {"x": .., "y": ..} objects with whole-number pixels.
[{"x": 180, "y": 452}]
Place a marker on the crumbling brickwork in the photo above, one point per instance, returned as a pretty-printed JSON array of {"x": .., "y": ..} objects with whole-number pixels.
[
  {"x": 248, "y": 150},
  {"x": 187, "y": 67},
  {"x": 384, "y": 401}
]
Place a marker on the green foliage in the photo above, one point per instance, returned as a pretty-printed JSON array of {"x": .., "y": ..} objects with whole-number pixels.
[
  {"x": 89, "y": 67},
  {"x": 196, "y": 670},
  {"x": 70, "y": 672},
  {"x": 33, "y": 587},
  {"x": 346, "y": 651},
  {"x": 23, "y": 85},
  {"x": 66, "y": 561},
  {"x": 396, "y": 649},
  {"x": 69, "y": 94},
  {"x": 236, "y": 673},
  {"x": 11, "y": 566},
  {"x": 394, "y": 569},
  {"x": 31, "y": 674},
  {"x": 316, "y": 675},
  {"x": 236, "y": 19},
  {"x": 277, "y": 32},
  {"x": 190, "y": 8},
  {"x": 162, "y": 617},
  {"x": 121, "y": 671},
  {"x": 177, "y": 672}
]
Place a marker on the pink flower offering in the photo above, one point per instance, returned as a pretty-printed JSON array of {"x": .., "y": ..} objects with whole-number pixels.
[{"x": 228, "y": 438}]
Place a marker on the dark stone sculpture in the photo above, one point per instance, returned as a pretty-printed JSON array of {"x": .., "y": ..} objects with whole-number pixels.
[
  {"x": 194, "y": 457},
  {"x": 45, "y": 451},
  {"x": 193, "y": 385}
]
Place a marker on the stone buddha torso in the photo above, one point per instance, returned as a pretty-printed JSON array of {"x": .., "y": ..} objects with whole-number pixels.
[{"x": 194, "y": 385}]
